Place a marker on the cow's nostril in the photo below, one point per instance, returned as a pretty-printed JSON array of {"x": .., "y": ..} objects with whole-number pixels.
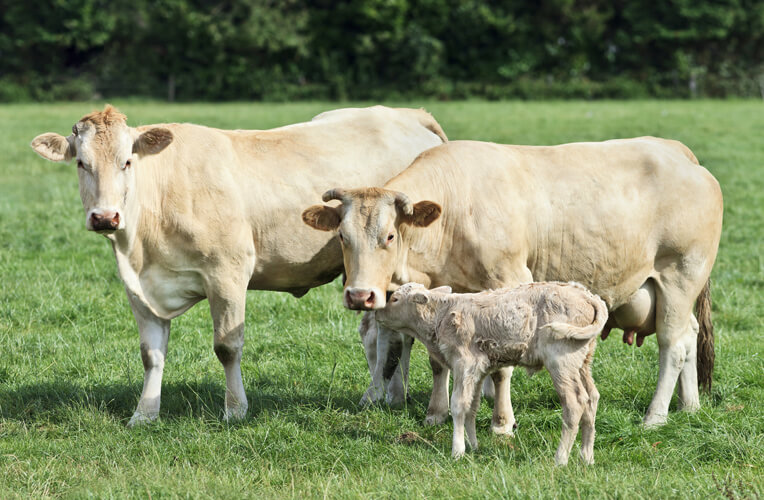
[{"x": 370, "y": 299}]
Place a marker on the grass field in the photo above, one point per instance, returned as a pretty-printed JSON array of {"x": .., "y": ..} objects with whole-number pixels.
[{"x": 71, "y": 373}]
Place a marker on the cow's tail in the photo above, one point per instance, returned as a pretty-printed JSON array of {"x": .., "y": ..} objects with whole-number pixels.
[
  {"x": 428, "y": 122},
  {"x": 563, "y": 330},
  {"x": 705, "y": 357}
]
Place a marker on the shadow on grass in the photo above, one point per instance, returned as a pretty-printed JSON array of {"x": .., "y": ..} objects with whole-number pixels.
[{"x": 55, "y": 401}]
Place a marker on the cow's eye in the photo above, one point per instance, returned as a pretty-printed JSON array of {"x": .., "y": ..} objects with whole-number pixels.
[
  {"x": 390, "y": 237},
  {"x": 127, "y": 164}
]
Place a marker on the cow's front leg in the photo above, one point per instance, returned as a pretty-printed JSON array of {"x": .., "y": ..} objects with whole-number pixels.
[
  {"x": 154, "y": 334},
  {"x": 389, "y": 348},
  {"x": 227, "y": 307}
]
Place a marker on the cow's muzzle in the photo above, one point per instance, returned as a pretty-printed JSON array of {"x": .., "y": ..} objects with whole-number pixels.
[
  {"x": 104, "y": 221},
  {"x": 363, "y": 299}
]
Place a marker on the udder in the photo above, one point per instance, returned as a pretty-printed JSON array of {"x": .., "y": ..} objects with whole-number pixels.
[{"x": 636, "y": 316}]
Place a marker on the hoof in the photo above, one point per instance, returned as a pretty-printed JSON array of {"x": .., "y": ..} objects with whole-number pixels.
[
  {"x": 505, "y": 430},
  {"x": 691, "y": 406},
  {"x": 457, "y": 454},
  {"x": 653, "y": 421},
  {"x": 139, "y": 419},
  {"x": 437, "y": 419},
  {"x": 235, "y": 414},
  {"x": 371, "y": 397},
  {"x": 395, "y": 401}
]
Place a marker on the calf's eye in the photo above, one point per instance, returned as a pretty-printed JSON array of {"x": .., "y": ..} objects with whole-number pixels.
[{"x": 127, "y": 164}]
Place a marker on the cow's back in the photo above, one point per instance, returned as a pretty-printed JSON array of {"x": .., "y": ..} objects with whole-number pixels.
[{"x": 601, "y": 214}]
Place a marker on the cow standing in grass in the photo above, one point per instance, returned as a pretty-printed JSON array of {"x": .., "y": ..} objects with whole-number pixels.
[
  {"x": 194, "y": 212},
  {"x": 537, "y": 325},
  {"x": 637, "y": 221}
]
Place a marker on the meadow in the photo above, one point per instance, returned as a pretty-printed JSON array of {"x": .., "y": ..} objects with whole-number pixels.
[{"x": 71, "y": 372}]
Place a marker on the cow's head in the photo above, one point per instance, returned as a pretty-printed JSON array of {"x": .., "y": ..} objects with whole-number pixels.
[
  {"x": 107, "y": 152},
  {"x": 369, "y": 223}
]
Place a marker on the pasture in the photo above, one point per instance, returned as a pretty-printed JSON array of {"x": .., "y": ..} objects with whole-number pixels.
[{"x": 71, "y": 373}]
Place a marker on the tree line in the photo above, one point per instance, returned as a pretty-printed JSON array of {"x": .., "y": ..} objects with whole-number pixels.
[{"x": 374, "y": 49}]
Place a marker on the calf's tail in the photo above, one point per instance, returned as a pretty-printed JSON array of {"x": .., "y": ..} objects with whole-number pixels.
[
  {"x": 706, "y": 354},
  {"x": 565, "y": 331}
]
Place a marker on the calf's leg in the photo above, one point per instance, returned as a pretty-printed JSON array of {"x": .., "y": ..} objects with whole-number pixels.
[
  {"x": 590, "y": 409},
  {"x": 437, "y": 411},
  {"x": 572, "y": 395},
  {"x": 154, "y": 335},
  {"x": 503, "y": 421},
  {"x": 465, "y": 385}
]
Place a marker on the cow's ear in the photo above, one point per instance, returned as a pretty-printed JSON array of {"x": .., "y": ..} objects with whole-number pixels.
[
  {"x": 425, "y": 213},
  {"x": 420, "y": 298},
  {"x": 322, "y": 217},
  {"x": 152, "y": 141},
  {"x": 442, "y": 289},
  {"x": 54, "y": 147}
]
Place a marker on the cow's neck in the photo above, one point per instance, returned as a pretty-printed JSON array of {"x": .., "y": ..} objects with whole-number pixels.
[{"x": 128, "y": 244}]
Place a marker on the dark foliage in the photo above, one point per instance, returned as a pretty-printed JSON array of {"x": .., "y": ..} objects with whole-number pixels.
[{"x": 369, "y": 49}]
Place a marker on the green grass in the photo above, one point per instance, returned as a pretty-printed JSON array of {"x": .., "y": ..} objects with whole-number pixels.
[{"x": 71, "y": 374}]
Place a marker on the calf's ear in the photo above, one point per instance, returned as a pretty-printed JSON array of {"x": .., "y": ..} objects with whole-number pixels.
[
  {"x": 424, "y": 214},
  {"x": 322, "y": 217},
  {"x": 53, "y": 147},
  {"x": 420, "y": 298},
  {"x": 152, "y": 141},
  {"x": 442, "y": 289}
]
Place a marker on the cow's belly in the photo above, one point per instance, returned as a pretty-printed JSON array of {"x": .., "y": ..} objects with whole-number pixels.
[{"x": 171, "y": 293}]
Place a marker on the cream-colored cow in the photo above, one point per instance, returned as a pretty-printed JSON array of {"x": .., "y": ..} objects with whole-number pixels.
[
  {"x": 537, "y": 325},
  {"x": 194, "y": 212},
  {"x": 636, "y": 221}
]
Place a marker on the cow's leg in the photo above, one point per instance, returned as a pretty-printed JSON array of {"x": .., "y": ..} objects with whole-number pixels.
[
  {"x": 227, "y": 308},
  {"x": 397, "y": 389},
  {"x": 437, "y": 410},
  {"x": 154, "y": 335},
  {"x": 674, "y": 332},
  {"x": 503, "y": 421},
  {"x": 389, "y": 347},
  {"x": 689, "y": 400},
  {"x": 573, "y": 398},
  {"x": 465, "y": 385}
]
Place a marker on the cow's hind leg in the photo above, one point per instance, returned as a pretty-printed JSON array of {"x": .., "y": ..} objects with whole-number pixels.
[
  {"x": 227, "y": 308},
  {"x": 689, "y": 399},
  {"x": 154, "y": 335},
  {"x": 674, "y": 329}
]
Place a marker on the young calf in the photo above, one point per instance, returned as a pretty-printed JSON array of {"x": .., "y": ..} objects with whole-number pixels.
[{"x": 551, "y": 325}]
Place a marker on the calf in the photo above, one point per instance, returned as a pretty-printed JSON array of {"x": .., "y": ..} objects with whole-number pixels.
[{"x": 551, "y": 325}]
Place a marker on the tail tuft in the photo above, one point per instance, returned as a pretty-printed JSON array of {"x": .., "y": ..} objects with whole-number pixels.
[{"x": 706, "y": 355}]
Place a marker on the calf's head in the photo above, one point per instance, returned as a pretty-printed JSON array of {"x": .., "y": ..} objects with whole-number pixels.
[
  {"x": 107, "y": 152},
  {"x": 368, "y": 223},
  {"x": 411, "y": 308}
]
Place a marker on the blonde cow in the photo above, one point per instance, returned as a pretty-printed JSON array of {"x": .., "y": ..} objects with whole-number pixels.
[
  {"x": 636, "y": 221},
  {"x": 193, "y": 212}
]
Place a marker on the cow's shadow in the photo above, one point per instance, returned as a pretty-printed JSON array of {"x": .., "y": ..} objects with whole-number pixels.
[{"x": 58, "y": 401}]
